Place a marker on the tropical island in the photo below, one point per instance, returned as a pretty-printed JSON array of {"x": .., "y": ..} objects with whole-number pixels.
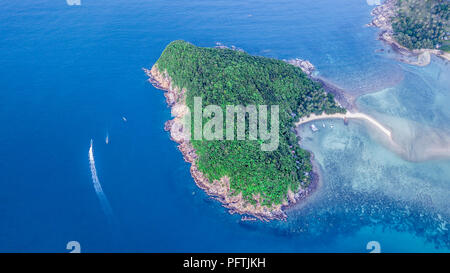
[
  {"x": 246, "y": 179},
  {"x": 415, "y": 28}
]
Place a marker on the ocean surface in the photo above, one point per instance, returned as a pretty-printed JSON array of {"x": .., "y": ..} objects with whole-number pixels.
[{"x": 70, "y": 74}]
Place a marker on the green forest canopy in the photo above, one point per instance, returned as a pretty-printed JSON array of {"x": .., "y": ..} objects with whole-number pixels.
[
  {"x": 422, "y": 24},
  {"x": 223, "y": 77}
]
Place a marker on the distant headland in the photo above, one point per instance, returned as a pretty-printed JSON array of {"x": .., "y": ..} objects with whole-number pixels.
[{"x": 414, "y": 29}]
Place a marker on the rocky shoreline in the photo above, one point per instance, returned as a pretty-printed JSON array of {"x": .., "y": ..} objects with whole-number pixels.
[
  {"x": 382, "y": 19},
  {"x": 341, "y": 97},
  {"x": 305, "y": 65},
  {"x": 217, "y": 189}
]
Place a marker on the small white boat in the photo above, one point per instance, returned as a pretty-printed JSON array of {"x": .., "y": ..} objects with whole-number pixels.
[
  {"x": 314, "y": 128},
  {"x": 107, "y": 139},
  {"x": 124, "y": 119},
  {"x": 323, "y": 125}
]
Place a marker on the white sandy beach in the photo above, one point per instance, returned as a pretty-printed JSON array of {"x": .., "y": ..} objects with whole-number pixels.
[{"x": 348, "y": 115}]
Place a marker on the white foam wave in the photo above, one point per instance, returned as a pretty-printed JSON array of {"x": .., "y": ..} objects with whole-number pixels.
[{"x": 97, "y": 186}]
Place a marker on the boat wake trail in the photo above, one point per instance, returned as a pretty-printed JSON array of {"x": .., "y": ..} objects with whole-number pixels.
[{"x": 98, "y": 187}]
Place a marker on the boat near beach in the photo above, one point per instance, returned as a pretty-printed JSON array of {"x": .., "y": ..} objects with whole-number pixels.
[{"x": 314, "y": 128}]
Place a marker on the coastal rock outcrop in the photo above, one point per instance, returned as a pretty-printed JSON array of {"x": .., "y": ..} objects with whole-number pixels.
[
  {"x": 305, "y": 65},
  {"x": 342, "y": 98},
  {"x": 382, "y": 15}
]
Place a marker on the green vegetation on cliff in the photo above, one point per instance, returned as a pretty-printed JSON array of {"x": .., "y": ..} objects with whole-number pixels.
[
  {"x": 422, "y": 24},
  {"x": 227, "y": 77}
]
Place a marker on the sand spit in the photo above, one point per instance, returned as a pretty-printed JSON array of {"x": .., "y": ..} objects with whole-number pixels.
[{"x": 348, "y": 115}]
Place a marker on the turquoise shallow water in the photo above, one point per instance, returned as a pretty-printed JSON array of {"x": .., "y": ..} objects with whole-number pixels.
[
  {"x": 69, "y": 74},
  {"x": 382, "y": 191},
  {"x": 417, "y": 110}
]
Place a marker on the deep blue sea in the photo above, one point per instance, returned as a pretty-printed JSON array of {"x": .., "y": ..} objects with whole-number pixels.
[{"x": 70, "y": 74}]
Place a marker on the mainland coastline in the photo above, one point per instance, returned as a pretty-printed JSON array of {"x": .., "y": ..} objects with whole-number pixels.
[{"x": 382, "y": 15}]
